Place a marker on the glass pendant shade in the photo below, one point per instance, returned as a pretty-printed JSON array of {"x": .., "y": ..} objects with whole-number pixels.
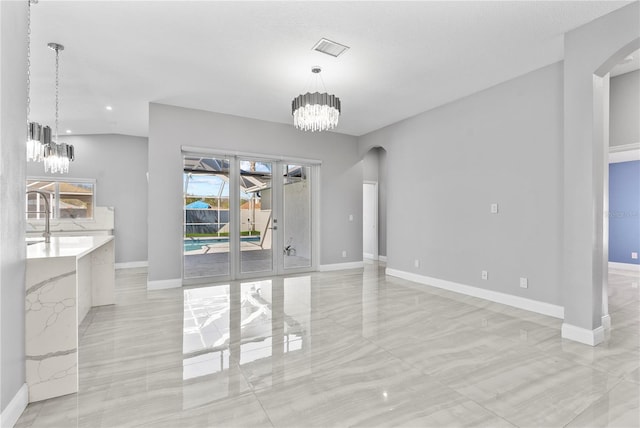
[
  {"x": 57, "y": 157},
  {"x": 39, "y": 137}
]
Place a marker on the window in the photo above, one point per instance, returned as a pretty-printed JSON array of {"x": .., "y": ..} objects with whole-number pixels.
[{"x": 67, "y": 199}]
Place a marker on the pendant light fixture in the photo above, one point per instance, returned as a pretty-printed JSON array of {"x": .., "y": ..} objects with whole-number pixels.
[
  {"x": 57, "y": 155},
  {"x": 37, "y": 135},
  {"x": 315, "y": 111}
]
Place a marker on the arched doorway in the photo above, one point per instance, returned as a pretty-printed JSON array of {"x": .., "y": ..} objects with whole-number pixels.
[
  {"x": 601, "y": 129},
  {"x": 590, "y": 53},
  {"x": 374, "y": 205}
]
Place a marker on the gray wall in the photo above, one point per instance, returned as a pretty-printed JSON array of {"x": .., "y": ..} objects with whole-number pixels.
[
  {"x": 13, "y": 108},
  {"x": 624, "y": 121},
  {"x": 449, "y": 164},
  {"x": 593, "y": 48},
  {"x": 170, "y": 127},
  {"x": 118, "y": 163},
  {"x": 374, "y": 168}
]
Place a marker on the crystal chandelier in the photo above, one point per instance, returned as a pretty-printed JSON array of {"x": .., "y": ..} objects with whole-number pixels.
[
  {"x": 57, "y": 155},
  {"x": 315, "y": 111}
]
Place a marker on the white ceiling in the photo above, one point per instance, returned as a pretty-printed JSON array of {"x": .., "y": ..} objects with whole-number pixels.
[{"x": 252, "y": 58}]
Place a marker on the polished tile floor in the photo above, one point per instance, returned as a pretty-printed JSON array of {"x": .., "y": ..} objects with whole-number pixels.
[{"x": 347, "y": 348}]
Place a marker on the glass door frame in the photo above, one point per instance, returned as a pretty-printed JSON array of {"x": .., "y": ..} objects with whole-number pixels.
[
  {"x": 235, "y": 242},
  {"x": 277, "y": 186}
]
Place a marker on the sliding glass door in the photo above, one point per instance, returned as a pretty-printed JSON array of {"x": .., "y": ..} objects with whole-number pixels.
[
  {"x": 206, "y": 217},
  {"x": 255, "y": 204},
  {"x": 296, "y": 216},
  {"x": 246, "y": 217}
]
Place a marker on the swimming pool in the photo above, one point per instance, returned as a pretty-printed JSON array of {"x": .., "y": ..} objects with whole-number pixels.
[{"x": 197, "y": 243}]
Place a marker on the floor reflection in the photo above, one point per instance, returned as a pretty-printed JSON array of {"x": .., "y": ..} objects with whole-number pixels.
[
  {"x": 350, "y": 348},
  {"x": 245, "y": 323}
]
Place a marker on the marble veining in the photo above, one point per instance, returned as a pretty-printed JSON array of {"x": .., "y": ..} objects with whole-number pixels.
[
  {"x": 351, "y": 348},
  {"x": 39, "y": 285},
  {"x": 59, "y": 276}
]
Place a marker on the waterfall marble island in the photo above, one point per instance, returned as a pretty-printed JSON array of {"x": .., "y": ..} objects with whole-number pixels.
[{"x": 65, "y": 278}]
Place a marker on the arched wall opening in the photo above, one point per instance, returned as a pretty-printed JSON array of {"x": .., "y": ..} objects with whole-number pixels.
[
  {"x": 601, "y": 132},
  {"x": 590, "y": 52},
  {"x": 374, "y": 204}
]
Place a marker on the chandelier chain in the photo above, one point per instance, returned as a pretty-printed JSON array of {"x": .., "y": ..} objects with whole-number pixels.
[
  {"x": 57, "y": 87},
  {"x": 28, "y": 64}
]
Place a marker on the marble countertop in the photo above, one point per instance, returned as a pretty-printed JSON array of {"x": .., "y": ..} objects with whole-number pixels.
[{"x": 66, "y": 246}]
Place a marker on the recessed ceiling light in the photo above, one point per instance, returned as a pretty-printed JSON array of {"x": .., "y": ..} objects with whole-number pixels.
[
  {"x": 68, "y": 131},
  {"x": 109, "y": 108}
]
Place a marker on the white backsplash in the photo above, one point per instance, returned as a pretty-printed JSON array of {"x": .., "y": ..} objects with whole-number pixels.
[{"x": 101, "y": 224}]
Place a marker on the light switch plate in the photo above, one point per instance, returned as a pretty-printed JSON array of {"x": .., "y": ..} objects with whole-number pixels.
[
  {"x": 524, "y": 283},
  {"x": 494, "y": 208}
]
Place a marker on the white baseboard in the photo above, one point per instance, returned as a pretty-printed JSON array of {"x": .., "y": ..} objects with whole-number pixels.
[
  {"x": 341, "y": 266},
  {"x": 583, "y": 335},
  {"x": 369, "y": 256},
  {"x": 606, "y": 322},
  {"x": 494, "y": 296},
  {"x": 128, "y": 265},
  {"x": 382, "y": 258},
  {"x": 624, "y": 266},
  {"x": 163, "y": 284},
  {"x": 14, "y": 409}
]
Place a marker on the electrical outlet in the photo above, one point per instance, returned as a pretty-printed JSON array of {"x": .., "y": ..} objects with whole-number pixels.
[
  {"x": 485, "y": 275},
  {"x": 524, "y": 283},
  {"x": 344, "y": 253},
  {"x": 494, "y": 208},
  {"x": 634, "y": 255},
  {"x": 350, "y": 217},
  {"x": 416, "y": 263}
]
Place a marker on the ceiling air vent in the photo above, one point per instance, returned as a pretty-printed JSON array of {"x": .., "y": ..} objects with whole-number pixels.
[{"x": 330, "y": 48}]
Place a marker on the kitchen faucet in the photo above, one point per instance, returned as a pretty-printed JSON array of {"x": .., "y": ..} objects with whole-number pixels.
[{"x": 47, "y": 232}]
